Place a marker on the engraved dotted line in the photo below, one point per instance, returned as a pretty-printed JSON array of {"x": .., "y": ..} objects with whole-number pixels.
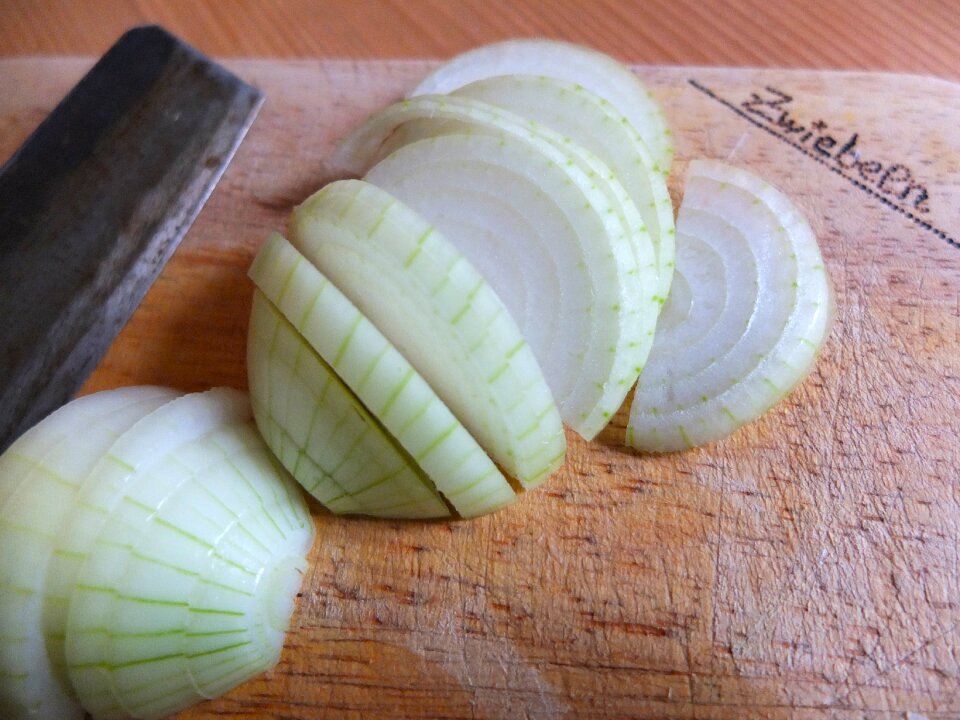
[{"x": 870, "y": 191}]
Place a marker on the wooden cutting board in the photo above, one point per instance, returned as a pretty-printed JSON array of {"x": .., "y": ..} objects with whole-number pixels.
[{"x": 806, "y": 567}]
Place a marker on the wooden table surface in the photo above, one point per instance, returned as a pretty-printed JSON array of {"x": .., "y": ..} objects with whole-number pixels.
[
  {"x": 815, "y": 578},
  {"x": 921, "y": 36}
]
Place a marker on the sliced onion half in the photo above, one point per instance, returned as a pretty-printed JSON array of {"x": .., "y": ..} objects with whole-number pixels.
[
  {"x": 189, "y": 586},
  {"x": 750, "y": 307},
  {"x": 153, "y": 548},
  {"x": 548, "y": 225},
  {"x": 40, "y": 475},
  {"x": 382, "y": 379},
  {"x": 597, "y": 72},
  {"x": 149, "y": 440},
  {"x": 321, "y": 431}
]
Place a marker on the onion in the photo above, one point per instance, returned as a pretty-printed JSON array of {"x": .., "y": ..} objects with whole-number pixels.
[
  {"x": 750, "y": 308},
  {"x": 383, "y": 380},
  {"x": 516, "y": 184},
  {"x": 322, "y": 433},
  {"x": 39, "y": 478},
  {"x": 442, "y": 315},
  {"x": 597, "y": 72},
  {"x": 593, "y": 123},
  {"x": 175, "y": 544},
  {"x": 190, "y": 583}
]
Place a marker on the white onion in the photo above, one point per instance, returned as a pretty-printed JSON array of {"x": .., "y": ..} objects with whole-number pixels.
[
  {"x": 442, "y": 315},
  {"x": 597, "y": 72},
  {"x": 383, "y": 380},
  {"x": 593, "y": 123},
  {"x": 322, "y": 433},
  {"x": 750, "y": 308},
  {"x": 149, "y": 440},
  {"x": 136, "y": 517},
  {"x": 603, "y": 234},
  {"x": 179, "y": 599},
  {"x": 39, "y": 478}
]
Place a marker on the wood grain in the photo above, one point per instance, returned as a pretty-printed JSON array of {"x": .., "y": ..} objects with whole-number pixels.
[
  {"x": 807, "y": 567},
  {"x": 919, "y": 37}
]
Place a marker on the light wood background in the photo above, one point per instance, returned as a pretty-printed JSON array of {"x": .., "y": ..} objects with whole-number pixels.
[
  {"x": 920, "y": 36},
  {"x": 808, "y": 567}
]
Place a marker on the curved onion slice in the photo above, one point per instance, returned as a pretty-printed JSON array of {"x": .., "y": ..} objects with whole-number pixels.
[
  {"x": 508, "y": 207},
  {"x": 189, "y": 585},
  {"x": 750, "y": 307},
  {"x": 592, "y": 122},
  {"x": 322, "y": 433},
  {"x": 40, "y": 475},
  {"x": 382, "y": 379},
  {"x": 442, "y": 315},
  {"x": 539, "y": 183},
  {"x": 597, "y": 72}
]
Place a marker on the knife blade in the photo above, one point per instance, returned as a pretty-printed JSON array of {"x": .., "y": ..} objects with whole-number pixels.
[{"x": 95, "y": 202}]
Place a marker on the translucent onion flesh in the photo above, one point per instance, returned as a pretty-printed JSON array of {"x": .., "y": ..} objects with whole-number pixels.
[
  {"x": 593, "y": 123},
  {"x": 507, "y": 154},
  {"x": 597, "y": 72},
  {"x": 750, "y": 308},
  {"x": 183, "y": 579},
  {"x": 322, "y": 433},
  {"x": 423, "y": 294}
]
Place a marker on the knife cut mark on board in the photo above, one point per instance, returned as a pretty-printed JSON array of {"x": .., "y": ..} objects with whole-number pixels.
[
  {"x": 877, "y": 194},
  {"x": 492, "y": 668}
]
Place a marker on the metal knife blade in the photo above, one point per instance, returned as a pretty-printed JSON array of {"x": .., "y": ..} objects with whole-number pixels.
[{"x": 94, "y": 204}]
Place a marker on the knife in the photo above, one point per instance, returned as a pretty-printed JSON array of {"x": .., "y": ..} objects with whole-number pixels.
[{"x": 94, "y": 204}]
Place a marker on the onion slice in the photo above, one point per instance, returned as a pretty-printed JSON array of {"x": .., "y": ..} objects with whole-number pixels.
[
  {"x": 382, "y": 379},
  {"x": 440, "y": 313},
  {"x": 750, "y": 308},
  {"x": 322, "y": 433},
  {"x": 593, "y": 123},
  {"x": 537, "y": 174},
  {"x": 40, "y": 475},
  {"x": 597, "y": 72}
]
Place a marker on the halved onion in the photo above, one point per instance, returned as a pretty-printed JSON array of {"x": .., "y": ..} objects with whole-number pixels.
[
  {"x": 152, "y": 551},
  {"x": 750, "y": 308},
  {"x": 383, "y": 380},
  {"x": 597, "y": 72},
  {"x": 189, "y": 585},
  {"x": 595, "y": 124},
  {"x": 39, "y": 478},
  {"x": 512, "y": 183},
  {"x": 322, "y": 433},
  {"x": 152, "y": 438}
]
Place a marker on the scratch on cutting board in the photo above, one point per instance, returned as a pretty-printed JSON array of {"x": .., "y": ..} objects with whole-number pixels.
[
  {"x": 736, "y": 147},
  {"x": 503, "y": 682}
]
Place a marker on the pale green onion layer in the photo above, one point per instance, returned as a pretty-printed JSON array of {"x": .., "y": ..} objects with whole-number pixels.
[
  {"x": 512, "y": 188},
  {"x": 424, "y": 295},
  {"x": 382, "y": 379},
  {"x": 40, "y": 475},
  {"x": 322, "y": 433},
  {"x": 592, "y": 122}
]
